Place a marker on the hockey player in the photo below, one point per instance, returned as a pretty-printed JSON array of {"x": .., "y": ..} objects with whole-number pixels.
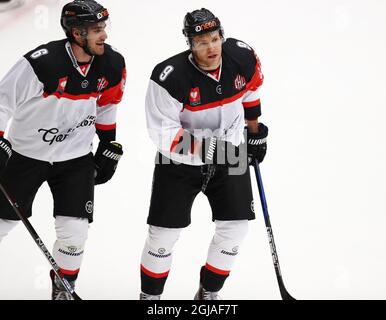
[
  {"x": 197, "y": 105},
  {"x": 58, "y": 95}
]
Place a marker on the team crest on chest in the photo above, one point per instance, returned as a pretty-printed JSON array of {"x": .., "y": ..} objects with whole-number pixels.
[
  {"x": 240, "y": 82},
  {"x": 195, "y": 96},
  {"x": 102, "y": 84},
  {"x": 62, "y": 84}
]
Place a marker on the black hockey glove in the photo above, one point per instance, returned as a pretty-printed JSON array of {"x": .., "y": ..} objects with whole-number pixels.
[
  {"x": 214, "y": 151},
  {"x": 5, "y": 152},
  {"x": 257, "y": 144},
  {"x": 106, "y": 160}
]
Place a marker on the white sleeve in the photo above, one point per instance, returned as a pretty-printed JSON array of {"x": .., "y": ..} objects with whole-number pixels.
[
  {"x": 251, "y": 98},
  {"x": 18, "y": 86},
  {"x": 106, "y": 117},
  {"x": 162, "y": 115}
]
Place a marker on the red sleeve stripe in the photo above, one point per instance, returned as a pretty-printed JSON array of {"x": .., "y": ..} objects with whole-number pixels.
[
  {"x": 114, "y": 94},
  {"x": 257, "y": 78},
  {"x": 68, "y": 272},
  {"x": 176, "y": 140},
  {"x": 105, "y": 126},
  {"x": 218, "y": 271},
  {"x": 1, "y": 133},
  {"x": 251, "y": 104},
  {"x": 153, "y": 274},
  {"x": 71, "y": 96}
]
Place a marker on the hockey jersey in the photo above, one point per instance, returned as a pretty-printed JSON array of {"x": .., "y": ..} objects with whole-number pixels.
[
  {"x": 56, "y": 104},
  {"x": 182, "y": 98}
]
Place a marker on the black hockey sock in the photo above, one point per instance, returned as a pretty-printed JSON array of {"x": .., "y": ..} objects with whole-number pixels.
[
  {"x": 151, "y": 285},
  {"x": 212, "y": 281}
]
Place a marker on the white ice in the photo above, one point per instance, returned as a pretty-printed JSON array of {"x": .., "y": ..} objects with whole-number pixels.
[{"x": 325, "y": 172}]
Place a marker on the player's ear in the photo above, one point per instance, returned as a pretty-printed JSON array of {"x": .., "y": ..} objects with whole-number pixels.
[{"x": 76, "y": 33}]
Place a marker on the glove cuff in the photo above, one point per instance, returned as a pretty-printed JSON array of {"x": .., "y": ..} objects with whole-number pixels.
[{"x": 111, "y": 150}]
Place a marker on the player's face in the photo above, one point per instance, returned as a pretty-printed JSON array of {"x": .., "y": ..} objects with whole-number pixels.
[
  {"x": 96, "y": 36},
  {"x": 206, "y": 49}
]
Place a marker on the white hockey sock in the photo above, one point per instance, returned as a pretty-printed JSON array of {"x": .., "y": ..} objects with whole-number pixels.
[
  {"x": 157, "y": 252},
  {"x": 6, "y": 226},
  {"x": 71, "y": 236},
  {"x": 225, "y": 245}
]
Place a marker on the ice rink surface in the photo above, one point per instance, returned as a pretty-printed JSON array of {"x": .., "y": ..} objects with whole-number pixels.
[{"x": 325, "y": 172}]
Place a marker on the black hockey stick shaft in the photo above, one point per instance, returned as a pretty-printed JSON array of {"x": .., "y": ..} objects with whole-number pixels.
[
  {"x": 283, "y": 291},
  {"x": 40, "y": 244}
]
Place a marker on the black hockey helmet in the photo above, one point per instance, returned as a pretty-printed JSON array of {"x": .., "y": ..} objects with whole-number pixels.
[
  {"x": 199, "y": 22},
  {"x": 81, "y": 13}
]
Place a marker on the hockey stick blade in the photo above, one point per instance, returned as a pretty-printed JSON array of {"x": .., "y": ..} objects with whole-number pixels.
[
  {"x": 283, "y": 291},
  {"x": 40, "y": 244}
]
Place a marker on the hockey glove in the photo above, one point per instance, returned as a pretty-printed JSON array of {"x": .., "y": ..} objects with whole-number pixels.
[
  {"x": 257, "y": 143},
  {"x": 106, "y": 160},
  {"x": 5, "y": 152}
]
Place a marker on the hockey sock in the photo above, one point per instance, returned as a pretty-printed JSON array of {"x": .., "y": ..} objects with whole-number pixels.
[
  {"x": 222, "y": 253},
  {"x": 152, "y": 283},
  {"x": 69, "y": 275},
  {"x": 212, "y": 279},
  {"x": 68, "y": 248},
  {"x": 157, "y": 258}
]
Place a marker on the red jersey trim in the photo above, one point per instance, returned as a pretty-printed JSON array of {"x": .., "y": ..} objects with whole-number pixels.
[
  {"x": 69, "y": 272},
  {"x": 71, "y": 96},
  {"x": 252, "y": 85},
  {"x": 251, "y": 104},
  {"x": 218, "y": 271},
  {"x": 105, "y": 126},
  {"x": 153, "y": 274},
  {"x": 1, "y": 133}
]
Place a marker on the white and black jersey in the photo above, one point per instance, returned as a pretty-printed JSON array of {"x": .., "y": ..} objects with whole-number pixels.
[
  {"x": 182, "y": 98},
  {"x": 56, "y": 104}
]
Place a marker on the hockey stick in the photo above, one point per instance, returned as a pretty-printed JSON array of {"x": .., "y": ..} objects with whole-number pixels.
[
  {"x": 283, "y": 291},
  {"x": 40, "y": 244}
]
